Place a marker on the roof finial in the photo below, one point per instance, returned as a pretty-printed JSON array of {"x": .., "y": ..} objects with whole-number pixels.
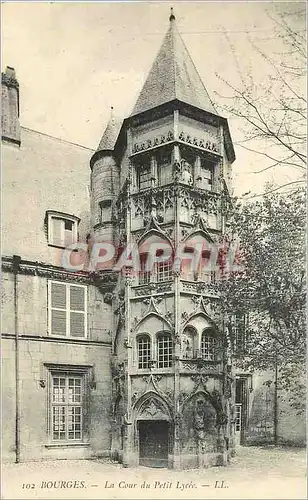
[
  {"x": 111, "y": 112},
  {"x": 172, "y": 16}
]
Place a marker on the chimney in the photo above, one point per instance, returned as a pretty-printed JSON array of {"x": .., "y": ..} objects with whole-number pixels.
[{"x": 10, "y": 107}]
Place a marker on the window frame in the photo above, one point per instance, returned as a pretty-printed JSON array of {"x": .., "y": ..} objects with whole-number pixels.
[
  {"x": 66, "y": 404},
  {"x": 51, "y": 216},
  {"x": 211, "y": 170},
  {"x": 67, "y": 310},
  {"x": 154, "y": 275},
  {"x": 105, "y": 209},
  {"x": 82, "y": 371},
  {"x": 164, "y": 271},
  {"x": 161, "y": 164},
  {"x": 162, "y": 364},
  {"x": 208, "y": 276},
  {"x": 212, "y": 353},
  {"x": 142, "y": 337},
  {"x": 144, "y": 277},
  {"x": 144, "y": 166}
]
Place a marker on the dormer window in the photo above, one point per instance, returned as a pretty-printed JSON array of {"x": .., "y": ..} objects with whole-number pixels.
[{"x": 62, "y": 229}]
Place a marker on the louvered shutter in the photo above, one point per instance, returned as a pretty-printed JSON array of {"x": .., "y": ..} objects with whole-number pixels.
[
  {"x": 77, "y": 311},
  {"x": 58, "y": 309}
]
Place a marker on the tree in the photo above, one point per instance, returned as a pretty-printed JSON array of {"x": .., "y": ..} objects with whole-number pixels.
[
  {"x": 273, "y": 111},
  {"x": 268, "y": 286}
]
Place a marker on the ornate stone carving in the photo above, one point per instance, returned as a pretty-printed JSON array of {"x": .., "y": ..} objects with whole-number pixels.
[
  {"x": 153, "y": 408},
  {"x": 153, "y": 142},
  {"x": 209, "y": 145},
  {"x": 108, "y": 297},
  {"x": 118, "y": 381},
  {"x": 135, "y": 397},
  {"x": 169, "y": 316},
  {"x": 217, "y": 403},
  {"x": 177, "y": 338},
  {"x": 184, "y": 316},
  {"x": 176, "y": 171},
  {"x": 183, "y": 396}
]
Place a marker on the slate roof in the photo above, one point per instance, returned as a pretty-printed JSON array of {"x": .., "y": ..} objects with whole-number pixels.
[
  {"x": 110, "y": 135},
  {"x": 173, "y": 76}
]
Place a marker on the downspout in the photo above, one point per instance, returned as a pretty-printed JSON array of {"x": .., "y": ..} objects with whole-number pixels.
[
  {"x": 16, "y": 263},
  {"x": 276, "y": 404}
]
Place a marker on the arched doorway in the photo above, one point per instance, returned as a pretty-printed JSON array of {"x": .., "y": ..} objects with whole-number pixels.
[
  {"x": 153, "y": 443},
  {"x": 153, "y": 431}
]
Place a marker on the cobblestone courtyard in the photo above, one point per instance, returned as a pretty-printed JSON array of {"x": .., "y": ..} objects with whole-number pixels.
[{"x": 255, "y": 473}]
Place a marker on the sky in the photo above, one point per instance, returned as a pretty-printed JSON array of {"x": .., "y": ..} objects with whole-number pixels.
[{"x": 76, "y": 60}]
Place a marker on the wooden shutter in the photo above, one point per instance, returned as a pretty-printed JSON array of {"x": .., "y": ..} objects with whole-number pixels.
[
  {"x": 77, "y": 311},
  {"x": 58, "y": 309},
  {"x": 77, "y": 298},
  {"x": 58, "y": 295}
]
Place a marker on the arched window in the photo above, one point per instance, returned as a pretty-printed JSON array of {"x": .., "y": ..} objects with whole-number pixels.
[
  {"x": 144, "y": 351},
  {"x": 145, "y": 273},
  {"x": 163, "y": 268},
  {"x": 164, "y": 350},
  {"x": 208, "y": 345}
]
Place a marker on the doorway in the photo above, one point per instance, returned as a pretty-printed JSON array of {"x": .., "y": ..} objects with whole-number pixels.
[
  {"x": 153, "y": 443},
  {"x": 241, "y": 396}
]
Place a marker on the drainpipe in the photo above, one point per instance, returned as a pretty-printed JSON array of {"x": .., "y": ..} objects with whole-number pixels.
[
  {"x": 16, "y": 263},
  {"x": 276, "y": 404}
]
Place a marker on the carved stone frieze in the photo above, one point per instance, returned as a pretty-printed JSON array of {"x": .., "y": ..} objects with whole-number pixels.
[
  {"x": 210, "y": 144},
  {"x": 153, "y": 142},
  {"x": 152, "y": 288},
  {"x": 200, "y": 366}
]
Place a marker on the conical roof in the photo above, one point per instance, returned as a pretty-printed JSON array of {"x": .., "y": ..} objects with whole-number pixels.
[
  {"x": 110, "y": 135},
  {"x": 173, "y": 76}
]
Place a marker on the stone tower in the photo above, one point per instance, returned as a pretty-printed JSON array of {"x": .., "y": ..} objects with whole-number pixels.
[{"x": 160, "y": 181}]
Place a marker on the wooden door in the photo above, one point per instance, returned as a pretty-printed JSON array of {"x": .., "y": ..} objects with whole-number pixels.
[{"x": 153, "y": 443}]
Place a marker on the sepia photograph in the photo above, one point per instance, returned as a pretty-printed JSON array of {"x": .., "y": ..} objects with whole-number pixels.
[{"x": 153, "y": 242}]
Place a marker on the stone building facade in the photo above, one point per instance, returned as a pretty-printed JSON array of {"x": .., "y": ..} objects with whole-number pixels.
[{"x": 129, "y": 361}]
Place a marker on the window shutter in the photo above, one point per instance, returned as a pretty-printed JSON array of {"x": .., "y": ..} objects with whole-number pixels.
[
  {"x": 77, "y": 324},
  {"x": 77, "y": 303},
  {"x": 58, "y": 295},
  {"x": 58, "y": 322},
  {"x": 77, "y": 298},
  {"x": 58, "y": 309}
]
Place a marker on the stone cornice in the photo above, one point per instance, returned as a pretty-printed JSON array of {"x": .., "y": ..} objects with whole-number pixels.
[
  {"x": 103, "y": 280},
  {"x": 57, "y": 340}
]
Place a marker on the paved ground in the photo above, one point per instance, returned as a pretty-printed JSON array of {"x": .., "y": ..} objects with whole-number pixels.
[{"x": 255, "y": 473}]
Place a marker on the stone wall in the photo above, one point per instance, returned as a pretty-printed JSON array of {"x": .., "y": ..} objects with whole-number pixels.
[
  {"x": 291, "y": 428},
  {"x": 34, "y": 396},
  {"x": 42, "y": 174}
]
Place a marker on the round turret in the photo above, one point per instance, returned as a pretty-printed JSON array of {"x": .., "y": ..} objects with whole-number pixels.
[{"x": 104, "y": 183}]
